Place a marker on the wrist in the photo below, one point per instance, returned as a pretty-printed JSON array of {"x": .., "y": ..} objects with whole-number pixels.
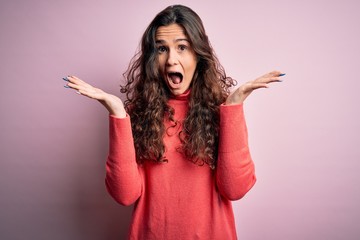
[
  {"x": 114, "y": 105},
  {"x": 232, "y": 100},
  {"x": 118, "y": 113}
]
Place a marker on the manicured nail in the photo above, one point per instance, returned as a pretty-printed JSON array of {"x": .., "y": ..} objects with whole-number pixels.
[
  {"x": 65, "y": 79},
  {"x": 78, "y": 92},
  {"x": 282, "y": 74},
  {"x": 66, "y": 86}
]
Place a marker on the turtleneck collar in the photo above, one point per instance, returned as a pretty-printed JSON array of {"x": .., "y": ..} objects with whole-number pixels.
[{"x": 181, "y": 97}]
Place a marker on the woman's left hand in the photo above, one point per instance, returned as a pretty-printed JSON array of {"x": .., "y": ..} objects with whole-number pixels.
[{"x": 240, "y": 94}]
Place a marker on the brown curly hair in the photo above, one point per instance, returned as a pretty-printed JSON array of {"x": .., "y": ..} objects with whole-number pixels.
[{"x": 147, "y": 93}]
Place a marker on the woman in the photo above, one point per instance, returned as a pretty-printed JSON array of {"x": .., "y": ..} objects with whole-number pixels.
[{"x": 178, "y": 146}]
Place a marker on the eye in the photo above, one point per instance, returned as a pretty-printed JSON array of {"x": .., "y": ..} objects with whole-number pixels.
[
  {"x": 161, "y": 49},
  {"x": 182, "y": 47}
]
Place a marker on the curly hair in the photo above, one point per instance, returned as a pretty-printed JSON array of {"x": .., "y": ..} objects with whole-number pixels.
[{"x": 147, "y": 93}]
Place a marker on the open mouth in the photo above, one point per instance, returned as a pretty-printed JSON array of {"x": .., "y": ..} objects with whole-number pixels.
[{"x": 175, "y": 77}]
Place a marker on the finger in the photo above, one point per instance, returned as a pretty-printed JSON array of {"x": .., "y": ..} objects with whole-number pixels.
[
  {"x": 273, "y": 79},
  {"x": 69, "y": 78},
  {"x": 273, "y": 74},
  {"x": 267, "y": 80},
  {"x": 86, "y": 90},
  {"x": 76, "y": 80},
  {"x": 81, "y": 89},
  {"x": 74, "y": 77},
  {"x": 73, "y": 86}
]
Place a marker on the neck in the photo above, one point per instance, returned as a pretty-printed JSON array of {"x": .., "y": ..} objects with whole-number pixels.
[{"x": 183, "y": 96}]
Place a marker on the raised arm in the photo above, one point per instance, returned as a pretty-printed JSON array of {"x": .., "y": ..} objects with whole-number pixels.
[
  {"x": 112, "y": 103},
  {"x": 235, "y": 173},
  {"x": 123, "y": 179},
  {"x": 241, "y": 93}
]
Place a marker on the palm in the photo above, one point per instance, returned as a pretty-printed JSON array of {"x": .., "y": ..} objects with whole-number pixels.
[
  {"x": 241, "y": 93},
  {"x": 112, "y": 103}
]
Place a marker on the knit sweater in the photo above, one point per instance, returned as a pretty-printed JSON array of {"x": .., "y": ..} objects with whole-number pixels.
[{"x": 179, "y": 199}]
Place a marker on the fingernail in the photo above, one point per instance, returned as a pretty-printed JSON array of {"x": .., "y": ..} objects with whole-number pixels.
[
  {"x": 66, "y": 86},
  {"x": 78, "y": 92},
  {"x": 282, "y": 74},
  {"x": 65, "y": 79}
]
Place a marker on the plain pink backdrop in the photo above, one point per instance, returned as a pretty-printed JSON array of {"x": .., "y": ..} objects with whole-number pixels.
[{"x": 304, "y": 132}]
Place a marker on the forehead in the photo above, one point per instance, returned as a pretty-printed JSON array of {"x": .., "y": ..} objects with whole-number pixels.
[{"x": 172, "y": 31}]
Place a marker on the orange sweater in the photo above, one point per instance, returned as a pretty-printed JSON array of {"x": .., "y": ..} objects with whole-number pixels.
[{"x": 179, "y": 199}]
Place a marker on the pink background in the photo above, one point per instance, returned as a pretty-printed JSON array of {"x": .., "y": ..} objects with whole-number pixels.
[{"x": 304, "y": 132}]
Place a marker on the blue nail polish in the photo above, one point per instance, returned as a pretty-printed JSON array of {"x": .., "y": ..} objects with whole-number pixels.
[
  {"x": 65, "y": 79},
  {"x": 282, "y": 74},
  {"x": 66, "y": 86}
]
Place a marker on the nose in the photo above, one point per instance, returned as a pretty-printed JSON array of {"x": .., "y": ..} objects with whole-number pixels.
[{"x": 172, "y": 58}]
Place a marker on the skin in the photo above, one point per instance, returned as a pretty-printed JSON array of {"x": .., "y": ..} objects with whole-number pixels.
[
  {"x": 175, "y": 54},
  {"x": 240, "y": 94}
]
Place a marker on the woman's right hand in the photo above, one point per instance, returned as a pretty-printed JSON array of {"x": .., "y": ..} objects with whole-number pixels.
[{"x": 112, "y": 103}]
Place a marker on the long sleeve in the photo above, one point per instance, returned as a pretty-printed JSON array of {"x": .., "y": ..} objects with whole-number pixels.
[
  {"x": 123, "y": 179},
  {"x": 235, "y": 173}
]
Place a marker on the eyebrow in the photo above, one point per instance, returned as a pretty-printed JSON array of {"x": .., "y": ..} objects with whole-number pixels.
[{"x": 177, "y": 40}]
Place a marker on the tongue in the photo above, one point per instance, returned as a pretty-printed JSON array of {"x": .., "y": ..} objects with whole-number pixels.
[{"x": 175, "y": 79}]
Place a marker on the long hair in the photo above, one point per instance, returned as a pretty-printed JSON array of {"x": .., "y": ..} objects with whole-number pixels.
[{"x": 147, "y": 93}]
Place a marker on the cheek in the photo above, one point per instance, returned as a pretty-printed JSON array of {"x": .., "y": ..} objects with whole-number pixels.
[{"x": 192, "y": 65}]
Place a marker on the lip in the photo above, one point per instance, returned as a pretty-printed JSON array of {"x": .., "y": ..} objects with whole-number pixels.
[{"x": 170, "y": 81}]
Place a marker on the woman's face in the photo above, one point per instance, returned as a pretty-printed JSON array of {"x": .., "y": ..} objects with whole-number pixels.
[{"x": 177, "y": 59}]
